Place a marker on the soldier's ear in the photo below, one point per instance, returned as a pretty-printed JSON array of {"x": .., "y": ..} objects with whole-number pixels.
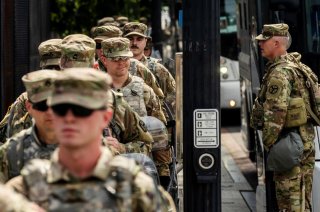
[
  {"x": 108, "y": 114},
  {"x": 28, "y": 105}
]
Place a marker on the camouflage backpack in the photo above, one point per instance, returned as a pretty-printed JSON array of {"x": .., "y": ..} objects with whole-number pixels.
[{"x": 311, "y": 82}]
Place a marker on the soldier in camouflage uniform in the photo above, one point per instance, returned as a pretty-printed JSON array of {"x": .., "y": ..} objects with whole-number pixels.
[
  {"x": 106, "y": 21},
  {"x": 39, "y": 140},
  {"x": 136, "y": 67},
  {"x": 126, "y": 132},
  {"x": 17, "y": 117},
  {"x": 122, "y": 20},
  {"x": 11, "y": 201},
  {"x": 82, "y": 175},
  {"x": 77, "y": 51},
  {"x": 137, "y": 34},
  {"x": 270, "y": 110},
  {"x": 140, "y": 96}
]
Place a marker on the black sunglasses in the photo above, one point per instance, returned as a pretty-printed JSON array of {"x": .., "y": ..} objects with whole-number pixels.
[
  {"x": 40, "y": 106},
  {"x": 78, "y": 111}
]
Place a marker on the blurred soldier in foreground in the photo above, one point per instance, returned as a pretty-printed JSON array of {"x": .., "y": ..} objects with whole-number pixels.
[
  {"x": 283, "y": 82},
  {"x": 38, "y": 141},
  {"x": 17, "y": 117},
  {"x": 126, "y": 132},
  {"x": 11, "y": 201},
  {"x": 136, "y": 67},
  {"x": 137, "y": 34},
  {"x": 82, "y": 175}
]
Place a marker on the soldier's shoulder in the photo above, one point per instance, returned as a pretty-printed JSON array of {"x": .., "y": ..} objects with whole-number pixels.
[
  {"x": 121, "y": 163},
  {"x": 137, "y": 79},
  {"x": 39, "y": 166},
  {"x": 20, "y": 136}
]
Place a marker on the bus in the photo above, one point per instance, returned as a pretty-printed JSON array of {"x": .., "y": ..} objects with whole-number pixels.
[{"x": 303, "y": 17}]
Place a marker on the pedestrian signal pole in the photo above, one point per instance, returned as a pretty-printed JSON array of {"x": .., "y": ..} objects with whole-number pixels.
[{"x": 201, "y": 106}]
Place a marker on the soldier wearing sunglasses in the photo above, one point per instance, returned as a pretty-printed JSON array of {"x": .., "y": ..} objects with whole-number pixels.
[
  {"x": 82, "y": 175},
  {"x": 126, "y": 132},
  {"x": 17, "y": 117},
  {"x": 38, "y": 141},
  {"x": 136, "y": 92},
  {"x": 136, "y": 68}
]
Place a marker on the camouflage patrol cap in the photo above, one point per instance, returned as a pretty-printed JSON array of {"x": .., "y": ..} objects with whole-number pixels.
[
  {"x": 270, "y": 30},
  {"x": 122, "y": 20},
  {"x": 135, "y": 28},
  {"x": 143, "y": 20},
  {"x": 104, "y": 32},
  {"x": 79, "y": 49},
  {"x": 85, "y": 87},
  {"x": 50, "y": 52},
  {"x": 39, "y": 84},
  {"x": 116, "y": 47},
  {"x": 104, "y": 20}
]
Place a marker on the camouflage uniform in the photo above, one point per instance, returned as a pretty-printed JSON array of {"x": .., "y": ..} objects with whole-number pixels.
[
  {"x": 11, "y": 201},
  {"x": 26, "y": 144},
  {"x": 167, "y": 84},
  {"x": 21, "y": 148},
  {"x": 113, "y": 184},
  {"x": 140, "y": 70},
  {"x": 278, "y": 86},
  {"x": 141, "y": 98},
  {"x": 77, "y": 50},
  {"x": 17, "y": 117},
  {"x": 132, "y": 88},
  {"x": 117, "y": 184},
  {"x": 128, "y": 128},
  {"x": 163, "y": 76},
  {"x": 136, "y": 67}
]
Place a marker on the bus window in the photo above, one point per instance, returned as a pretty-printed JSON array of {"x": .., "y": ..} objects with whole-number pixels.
[{"x": 313, "y": 12}]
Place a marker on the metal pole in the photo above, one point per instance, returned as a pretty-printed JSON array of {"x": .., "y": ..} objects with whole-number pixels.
[{"x": 201, "y": 100}]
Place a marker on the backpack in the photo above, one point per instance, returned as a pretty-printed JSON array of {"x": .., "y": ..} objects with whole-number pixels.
[{"x": 311, "y": 82}]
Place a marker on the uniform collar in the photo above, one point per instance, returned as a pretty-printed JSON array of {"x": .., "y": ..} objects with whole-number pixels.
[{"x": 57, "y": 172}]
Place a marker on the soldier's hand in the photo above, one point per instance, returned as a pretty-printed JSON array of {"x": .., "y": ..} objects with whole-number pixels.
[{"x": 115, "y": 143}]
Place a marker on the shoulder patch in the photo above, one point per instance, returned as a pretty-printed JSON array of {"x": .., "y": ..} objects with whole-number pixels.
[{"x": 275, "y": 87}]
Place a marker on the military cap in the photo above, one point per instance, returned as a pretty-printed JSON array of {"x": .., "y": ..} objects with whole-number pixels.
[
  {"x": 78, "y": 48},
  {"x": 135, "y": 28},
  {"x": 104, "y": 20},
  {"x": 103, "y": 32},
  {"x": 122, "y": 20},
  {"x": 270, "y": 30},
  {"x": 143, "y": 20},
  {"x": 50, "y": 52},
  {"x": 85, "y": 87},
  {"x": 39, "y": 84},
  {"x": 116, "y": 47}
]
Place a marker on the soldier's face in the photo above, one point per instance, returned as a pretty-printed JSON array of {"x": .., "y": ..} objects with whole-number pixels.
[
  {"x": 73, "y": 131},
  {"x": 117, "y": 68},
  {"x": 268, "y": 48},
  {"x": 43, "y": 119},
  {"x": 137, "y": 45}
]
